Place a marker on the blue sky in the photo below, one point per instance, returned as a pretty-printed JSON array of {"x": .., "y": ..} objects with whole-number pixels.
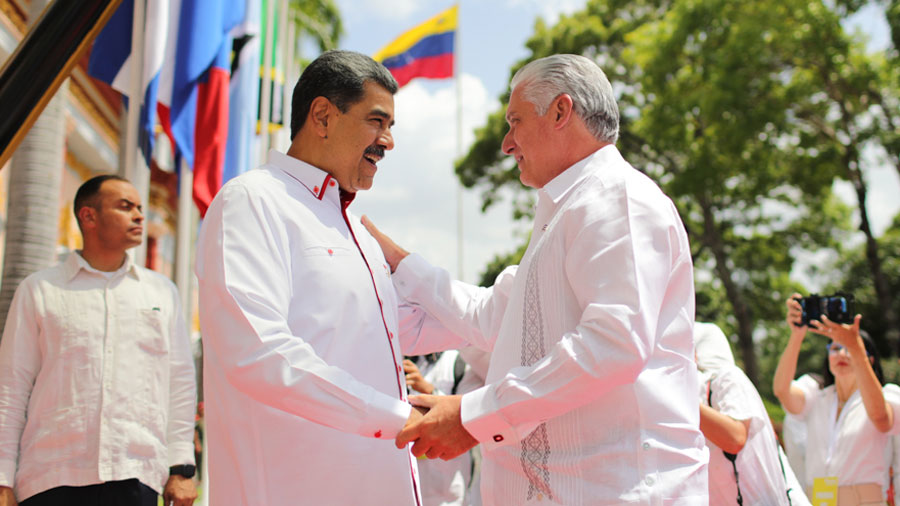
[{"x": 414, "y": 196}]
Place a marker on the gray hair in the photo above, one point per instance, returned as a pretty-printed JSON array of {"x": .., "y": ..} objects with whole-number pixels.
[{"x": 547, "y": 78}]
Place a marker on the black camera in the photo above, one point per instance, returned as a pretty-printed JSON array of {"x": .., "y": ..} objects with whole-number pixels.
[{"x": 838, "y": 308}]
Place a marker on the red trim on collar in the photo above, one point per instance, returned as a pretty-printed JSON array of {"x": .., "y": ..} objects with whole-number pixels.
[
  {"x": 324, "y": 186},
  {"x": 346, "y": 198}
]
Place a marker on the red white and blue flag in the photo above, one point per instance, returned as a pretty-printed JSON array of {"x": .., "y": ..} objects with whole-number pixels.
[{"x": 193, "y": 89}]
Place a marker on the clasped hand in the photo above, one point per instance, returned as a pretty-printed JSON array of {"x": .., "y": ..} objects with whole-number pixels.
[{"x": 439, "y": 433}]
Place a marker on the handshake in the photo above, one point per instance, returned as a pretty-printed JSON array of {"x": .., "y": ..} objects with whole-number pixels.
[{"x": 435, "y": 428}]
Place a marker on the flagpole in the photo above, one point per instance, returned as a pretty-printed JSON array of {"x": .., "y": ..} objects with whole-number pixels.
[
  {"x": 288, "y": 87},
  {"x": 281, "y": 53},
  {"x": 134, "y": 168},
  {"x": 459, "y": 150},
  {"x": 184, "y": 234},
  {"x": 266, "y": 84}
]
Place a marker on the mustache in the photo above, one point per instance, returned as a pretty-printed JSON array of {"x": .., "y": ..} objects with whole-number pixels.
[{"x": 375, "y": 150}]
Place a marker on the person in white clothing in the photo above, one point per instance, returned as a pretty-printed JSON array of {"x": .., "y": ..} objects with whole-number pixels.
[
  {"x": 444, "y": 483},
  {"x": 851, "y": 420},
  {"x": 793, "y": 434},
  {"x": 733, "y": 419},
  {"x": 303, "y": 333},
  {"x": 590, "y": 397},
  {"x": 97, "y": 385}
]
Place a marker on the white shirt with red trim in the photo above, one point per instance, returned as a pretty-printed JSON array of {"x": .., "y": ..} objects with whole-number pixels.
[
  {"x": 590, "y": 396},
  {"x": 303, "y": 380}
]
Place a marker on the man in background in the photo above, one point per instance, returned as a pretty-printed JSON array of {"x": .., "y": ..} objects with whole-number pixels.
[{"x": 97, "y": 386}]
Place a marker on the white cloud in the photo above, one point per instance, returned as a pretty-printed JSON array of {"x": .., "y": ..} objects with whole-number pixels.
[
  {"x": 414, "y": 199},
  {"x": 549, "y": 11},
  {"x": 381, "y": 9}
]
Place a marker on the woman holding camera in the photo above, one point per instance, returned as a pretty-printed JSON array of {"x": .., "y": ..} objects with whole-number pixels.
[{"x": 850, "y": 420}]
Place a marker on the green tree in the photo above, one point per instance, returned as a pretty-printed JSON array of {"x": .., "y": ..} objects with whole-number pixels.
[{"x": 318, "y": 19}]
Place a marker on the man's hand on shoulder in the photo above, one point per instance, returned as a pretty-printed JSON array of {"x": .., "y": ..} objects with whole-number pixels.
[
  {"x": 179, "y": 491},
  {"x": 7, "y": 497},
  {"x": 393, "y": 253}
]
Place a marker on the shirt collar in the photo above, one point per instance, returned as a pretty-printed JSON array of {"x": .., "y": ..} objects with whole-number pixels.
[
  {"x": 317, "y": 181},
  {"x": 558, "y": 187},
  {"x": 75, "y": 263}
]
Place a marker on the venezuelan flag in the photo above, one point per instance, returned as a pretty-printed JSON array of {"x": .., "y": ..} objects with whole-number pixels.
[{"x": 424, "y": 51}]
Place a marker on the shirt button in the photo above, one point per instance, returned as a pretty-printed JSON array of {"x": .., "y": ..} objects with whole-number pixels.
[
  {"x": 646, "y": 446},
  {"x": 648, "y": 480},
  {"x": 498, "y": 438},
  {"x": 378, "y": 434},
  {"x": 391, "y": 335},
  {"x": 331, "y": 183}
]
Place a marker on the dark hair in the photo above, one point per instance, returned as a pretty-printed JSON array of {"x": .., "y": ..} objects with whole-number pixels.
[
  {"x": 87, "y": 192},
  {"x": 339, "y": 76},
  {"x": 871, "y": 349}
]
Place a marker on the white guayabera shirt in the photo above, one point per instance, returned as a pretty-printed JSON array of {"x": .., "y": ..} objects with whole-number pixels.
[
  {"x": 591, "y": 392},
  {"x": 97, "y": 379},
  {"x": 303, "y": 379}
]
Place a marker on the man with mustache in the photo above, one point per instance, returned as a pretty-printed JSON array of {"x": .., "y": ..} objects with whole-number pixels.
[
  {"x": 97, "y": 383},
  {"x": 303, "y": 375}
]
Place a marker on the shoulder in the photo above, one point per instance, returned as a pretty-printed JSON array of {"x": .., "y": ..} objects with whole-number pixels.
[
  {"x": 258, "y": 181},
  {"x": 732, "y": 379},
  {"x": 891, "y": 392},
  {"x": 50, "y": 276},
  {"x": 614, "y": 181},
  {"x": 815, "y": 394},
  {"x": 155, "y": 281}
]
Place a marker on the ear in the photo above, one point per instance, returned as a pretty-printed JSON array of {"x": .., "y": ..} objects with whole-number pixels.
[
  {"x": 562, "y": 109},
  {"x": 87, "y": 216},
  {"x": 320, "y": 111}
]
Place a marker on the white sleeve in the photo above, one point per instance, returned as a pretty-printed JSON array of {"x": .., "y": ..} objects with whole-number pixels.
[
  {"x": 892, "y": 396},
  {"x": 733, "y": 395},
  {"x": 182, "y": 389},
  {"x": 471, "y": 312},
  {"x": 20, "y": 363}
]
